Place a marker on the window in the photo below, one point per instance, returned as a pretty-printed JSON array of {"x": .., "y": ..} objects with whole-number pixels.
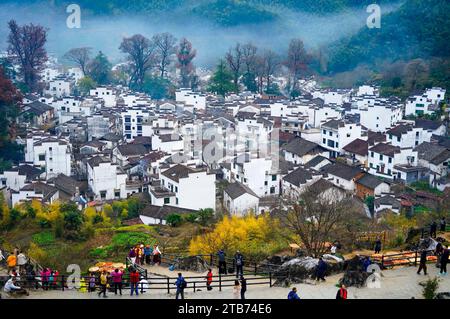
[
  {"x": 331, "y": 133},
  {"x": 117, "y": 194},
  {"x": 102, "y": 194},
  {"x": 381, "y": 157},
  {"x": 324, "y": 141},
  {"x": 417, "y": 134},
  {"x": 337, "y": 144},
  {"x": 372, "y": 154},
  {"x": 389, "y": 171},
  {"x": 390, "y": 160},
  {"x": 42, "y": 157},
  {"x": 176, "y": 201},
  {"x": 266, "y": 183},
  {"x": 272, "y": 190},
  {"x": 176, "y": 189},
  {"x": 390, "y": 136},
  {"x": 398, "y": 138},
  {"x": 166, "y": 200},
  {"x": 348, "y": 134},
  {"x": 324, "y": 132},
  {"x": 127, "y": 119},
  {"x": 274, "y": 177},
  {"x": 371, "y": 165}
]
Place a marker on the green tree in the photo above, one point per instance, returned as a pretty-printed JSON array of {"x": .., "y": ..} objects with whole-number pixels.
[
  {"x": 205, "y": 215},
  {"x": 156, "y": 87},
  {"x": 99, "y": 69},
  {"x": 174, "y": 220},
  {"x": 221, "y": 81},
  {"x": 86, "y": 84},
  {"x": 249, "y": 80}
]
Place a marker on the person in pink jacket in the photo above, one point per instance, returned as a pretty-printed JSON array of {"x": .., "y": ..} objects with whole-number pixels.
[
  {"x": 45, "y": 276},
  {"x": 117, "y": 280}
]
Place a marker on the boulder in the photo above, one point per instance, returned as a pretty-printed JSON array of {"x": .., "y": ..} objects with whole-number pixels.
[
  {"x": 302, "y": 268},
  {"x": 191, "y": 263},
  {"x": 354, "y": 278},
  {"x": 443, "y": 295}
]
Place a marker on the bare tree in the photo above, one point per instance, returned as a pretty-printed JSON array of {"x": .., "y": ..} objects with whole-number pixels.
[
  {"x": 270, "y": 63},
  {"x": 185, "y": 55},
  {"x": 296, "y": 62},
  {"x": 79, "y": 56},
  {"x": 315, "y": 216},
  {"x": 27, "y": 48},
  {"x": 234, "y": 60},
  {"x": 141, "y": 55},
  {"x": 165, "y": 49},
  {"x": 249, "y": 56}
]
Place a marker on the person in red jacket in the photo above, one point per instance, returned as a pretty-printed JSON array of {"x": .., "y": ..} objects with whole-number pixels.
[
  {"x": 209, "y": 279},
  {"x": 342, "y": 293},
  {"x": 134, "y": 282}
]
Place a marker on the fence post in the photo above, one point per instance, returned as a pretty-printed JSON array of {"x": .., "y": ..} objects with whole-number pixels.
[
  {"x": 62, "y": 282},
  {"x": 194, "y": 286},
  {"x": 270, "y": 279},
  {"x": 142, "y": 287},
  {"x": 256, "y": 267},
  {"x": 415, "y": 259},
  {"x": 382, "y": 261},
  {"x": 126, "y": 262},
  {"x": 220, "y": 282},
  {"x": 146, "y": 274},
  {"x": 168, "y": 286},
  {"x": 211, "y": 260}
]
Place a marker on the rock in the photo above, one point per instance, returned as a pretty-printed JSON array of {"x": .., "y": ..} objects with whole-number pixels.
[
  {"x": 192, "y": 263},
  {"x": 354, "y": 278},
  {"x": 302, "y": 268},
  {"x": 443, "y": 295}
]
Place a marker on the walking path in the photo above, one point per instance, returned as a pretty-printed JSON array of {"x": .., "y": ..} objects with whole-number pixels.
[{"x": 400, "y": 283}]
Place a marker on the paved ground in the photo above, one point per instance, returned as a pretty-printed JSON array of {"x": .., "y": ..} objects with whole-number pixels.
[{"x": 401, "y": 283}]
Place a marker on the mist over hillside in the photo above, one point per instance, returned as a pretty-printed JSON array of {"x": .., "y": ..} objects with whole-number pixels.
[{"x": 104, "y": 29}]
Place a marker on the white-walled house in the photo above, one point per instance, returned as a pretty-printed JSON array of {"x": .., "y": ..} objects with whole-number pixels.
[
  {"x": 192, "y": 188},
  {"x": 386, "y": 160},
  {"x": 338, "y": 133},
  {"x": 381, "y": 116},
  {"x": 169, "y": 143},
  {"x": 427, "y": 103},
  {"x": 298, "y": 180},
  {"x": 434, "y": 157},
  {"x": 107, "y": 94},
  {"x": 342, "y": 175},
  {"x": 133, "y": 120},
  {"x": 106, "y": 180},
  {"x": 406, "y": 135},
  {"x": 17, "y": 177},
  {"x": 239, "y": 199},
  {"x": 300, "y": 151},
  {"x": 39, "y": 191},
  {"x": 191, "y": 98},
  {"x": 52, "y": 154}
]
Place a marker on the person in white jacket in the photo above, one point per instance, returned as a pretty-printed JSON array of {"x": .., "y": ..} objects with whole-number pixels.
[
  {"x": 11, "y": 288},
  {"x": 21, "y": 261}
]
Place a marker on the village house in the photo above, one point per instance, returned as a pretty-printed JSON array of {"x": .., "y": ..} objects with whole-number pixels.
[
  {"x": 107, "y": 94},
  {"x": 434, "y": 157},
  {"x": 300, "y": 151},
  {"x": 239, "y": 199},
  {"x": 17, "y": 177},
  {"x": 298, "y": 180},
  {"x": 338, "y": 133},
  {"x": 426, "y": 103},
  {"x": 40, "y": 191},
  {"x": 106, "y": 180},
  {"x": 343, "y": 176},
  {"x": 369, "y": 185},
  {"x": 406, "y": 135}
]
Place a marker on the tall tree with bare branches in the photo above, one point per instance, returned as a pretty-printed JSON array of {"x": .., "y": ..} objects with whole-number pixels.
[
  {"x": 165, "y": 49},
  {"x": 316, "y": 216},
  {"x": 297, "y": 62},
  {"x": 141, "y": 55},
  {"x": 234, "y": 60},
  {"x": 185, "y": 55},
  {"x": 26, "y": 45},
  {"x": 270, "y": 63},
  {"x": 79, "y": 56}
]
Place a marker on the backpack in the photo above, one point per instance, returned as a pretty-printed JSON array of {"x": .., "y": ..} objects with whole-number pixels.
[
  {"x": 238, "y": 261},
  {"x": 183, "y": 284}
]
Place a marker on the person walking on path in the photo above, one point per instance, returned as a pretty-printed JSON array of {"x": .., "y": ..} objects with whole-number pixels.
[
  {"x": 181, "y": 285},
  {"x": 209, "y": 279},
  {"x": 243, "y": 287},
  {"x": 134, "y": 282},
  {"x": 321, "y": 269},
  {"x": 91, "y": 283},
  {"x": 21, "y": 261},
  {"x": 222, "y": 262},
  {"x": 148, "y": 254},
  {"x": 11, "y": 261},
  {"x": 444, "y": 261},
  {"x": 378, "y": 246},
  {"x": 423, "y": 263},
  {"x": 239, "y": 264},
  {"x": 342, "y": 293},
  {"x": 117, "y": 281},
  {"x": 132, "y": 256},
  {"x": 433, "y": 229},
  {"x": 236, "y": 290},
  {"x": 442, "y": 224},
  {"x": 292, "y": 295},
  {"x": 156, "y": 255},
  {"x": 103, "y": 284}
]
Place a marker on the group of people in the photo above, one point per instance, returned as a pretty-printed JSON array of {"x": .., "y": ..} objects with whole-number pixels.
[
  {"x": 341, "y": 294},
  {"x": 147, "y": 254},
  {"x": 238, "y": 263},
  {"x": 434, "y": 227},
  {"x": 442, "y": 254},
  {"x": 17, "y": 265}
]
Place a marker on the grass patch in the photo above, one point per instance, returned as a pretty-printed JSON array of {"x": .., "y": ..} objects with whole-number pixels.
[{"x": 44, "y": 238}]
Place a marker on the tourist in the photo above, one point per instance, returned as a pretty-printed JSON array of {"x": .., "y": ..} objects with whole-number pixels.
[
  {"x": 134, "y": 282},
  {"x": 239, "y": 264},
  {"x": 11, "y": 288},
  {"x": 444, "y": 261},
  {"x": 31, "y": 276},
  {"x": 137, "y": 252},
  {"x": 45, "y": 274},
  {"x": 433, "y": 229},
  {"x": 442, "y": 224},
  {"x": 148, "y": 254},
  {"x": 209, "y": 279},
  {"x": 2, "y": 257},
  {"x": 11, "y": 261},
  {"x": 144, "y": 285},
  {"x": 236, "y": 290},
  {"x": 21, "y": 261},
  {"x": 103, "y": 284},
  {"x": 92, "y": 282},
  {"x": 51, "y": 279},
  {"x": 156, "y": 255},
  {"x": 243, "y": 287},
  {"x": 117, "y": 280},
  {"x": 132, "y": 256},
  {"x": 342, "y": 293},
  {"x": 222, "y": 262},
  {"x": 423, "y": 262},
  {"x": 333, "y": 249},
  {"x": 378, "y": 246},
  {"x": 293, "y": 294},
  {"x": 181, "y": 285},
  {"x": 321, "y": 269}
]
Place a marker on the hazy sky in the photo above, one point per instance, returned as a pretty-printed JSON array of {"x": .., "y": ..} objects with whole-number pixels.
[{"x": 210, "y": 41}]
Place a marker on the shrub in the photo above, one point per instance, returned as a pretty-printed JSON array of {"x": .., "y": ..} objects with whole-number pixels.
[
  {"x": 191, "y": 218},
  {"x": 430, "y": 288},
  {"x": 174, "y": 220}
]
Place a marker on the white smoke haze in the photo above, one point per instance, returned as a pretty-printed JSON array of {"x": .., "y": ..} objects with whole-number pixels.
[{"x": 106, "y": 32}]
